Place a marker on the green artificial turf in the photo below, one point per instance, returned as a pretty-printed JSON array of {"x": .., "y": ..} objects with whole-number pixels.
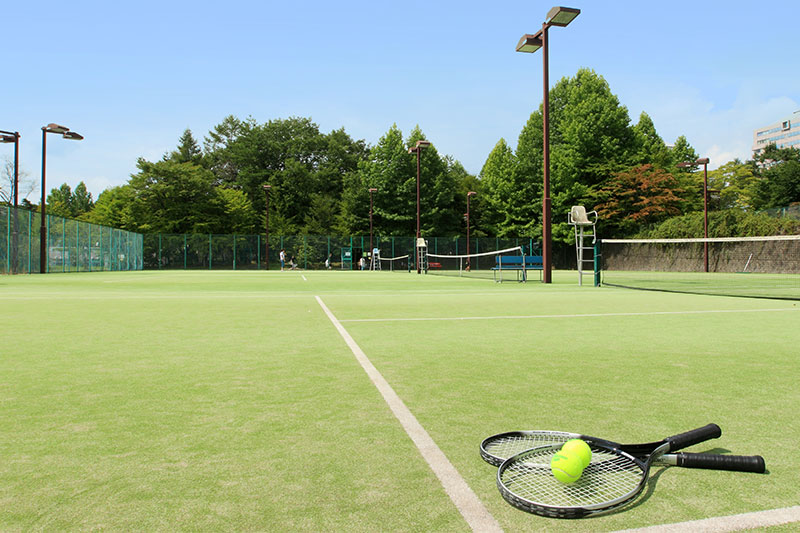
[{"x": 228, "y": 401}]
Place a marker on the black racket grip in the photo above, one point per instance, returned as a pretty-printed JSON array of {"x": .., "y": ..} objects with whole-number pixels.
[
  {"x": 695, "y": 436},
  {"x": 735, "y": 463}
]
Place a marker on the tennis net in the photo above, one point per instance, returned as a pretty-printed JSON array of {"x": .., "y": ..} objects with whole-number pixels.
[
  {"x": 396, "y": 264},
  {"x": 485, "y": 265},
  {"x": 756, "y": 267}
]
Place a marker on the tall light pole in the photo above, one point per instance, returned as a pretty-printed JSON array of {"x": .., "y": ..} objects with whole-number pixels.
[
  {"x": 13, "y": 137},
  {"x": 266, "y": 190},
  {"x": 371, "y": 190},
  {"x": 469, "y": 194},
  {"x": 557, "y": 16},
  {"x": 67, "y": 134},
  {"x": 702, "y": 161},
  {"x": 417, "y": 149}
]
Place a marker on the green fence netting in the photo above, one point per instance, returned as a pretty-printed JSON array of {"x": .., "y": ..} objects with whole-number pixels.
[
  {"x": 249, "y": 252},
  {"x": 71, "y": 246}
]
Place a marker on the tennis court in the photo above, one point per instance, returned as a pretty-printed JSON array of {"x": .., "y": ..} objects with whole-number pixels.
[{"x": 199, "y": 400}]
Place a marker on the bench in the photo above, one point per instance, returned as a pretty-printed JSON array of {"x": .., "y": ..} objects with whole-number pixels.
[{"x": 515, "y": 262}]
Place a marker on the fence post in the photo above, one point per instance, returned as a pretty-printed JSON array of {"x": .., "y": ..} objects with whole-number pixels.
[
  {"x": 234, "y": 251},
  {"x": 209, "y": 251}
]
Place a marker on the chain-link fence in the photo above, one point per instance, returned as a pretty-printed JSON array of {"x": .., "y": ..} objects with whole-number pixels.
[
  {"x": 71, "y": 245},
  {"x": 309, "y": 252}
]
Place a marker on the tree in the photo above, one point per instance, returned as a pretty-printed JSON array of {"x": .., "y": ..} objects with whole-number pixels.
[
  {"x": 590, "y": 140},
  {"x": 637, "y": 197},
  {"x": 25, "y": 183},
  {"x": 650, "y": 147},
  {"x": 188, "y": 150},
  {"x": 59, "y": 201},
  {"x": 391, "y": 170},
  {"x": 174, "y": 197},
  {"x": 498, "y": 189},
  {"x": 779, "y": 172},
  {"x": 113, "y": 208},
  {"x": 736, "y": 183}
]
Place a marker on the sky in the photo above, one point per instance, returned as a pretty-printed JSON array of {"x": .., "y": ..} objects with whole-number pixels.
[{"x": 132, "y": 76}]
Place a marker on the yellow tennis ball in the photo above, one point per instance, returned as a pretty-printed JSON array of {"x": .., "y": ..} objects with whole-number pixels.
[
  {"x": 580, "y": 448},
  {"x": 567, "y": 467}
]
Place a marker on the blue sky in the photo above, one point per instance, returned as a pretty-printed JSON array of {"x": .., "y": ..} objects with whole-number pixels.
[{"x": 131, "y": 76}]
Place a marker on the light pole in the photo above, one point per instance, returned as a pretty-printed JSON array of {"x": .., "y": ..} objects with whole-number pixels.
[
  {"x": 469, "y": 194},
  {"x": 13, "y": 137},
  {"x": 372, "y": 258},
  {"x": 557, "y": 16},
  {"x": 417, "y": 149},
  {"x": 702, "y": 161},
  {"x": 266, "y": 190},
  {"x": 67, "y": 134}
]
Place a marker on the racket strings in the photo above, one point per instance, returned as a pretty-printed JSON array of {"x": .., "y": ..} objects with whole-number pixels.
[
  {"x": 609, "y": 480},
  {"x": 508, "y": 446}
]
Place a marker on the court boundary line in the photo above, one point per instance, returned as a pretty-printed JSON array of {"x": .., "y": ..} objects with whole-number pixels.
[
  {"x": 578, "y": 315},
  {"x": 468, "y": 504},
  {"x": 722, "y": 524}
]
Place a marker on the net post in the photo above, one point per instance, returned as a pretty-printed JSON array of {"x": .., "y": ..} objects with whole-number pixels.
[{"x": 597, "y": 252}]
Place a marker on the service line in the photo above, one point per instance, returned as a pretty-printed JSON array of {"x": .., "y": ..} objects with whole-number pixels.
[{"x": 579, "y": 315}]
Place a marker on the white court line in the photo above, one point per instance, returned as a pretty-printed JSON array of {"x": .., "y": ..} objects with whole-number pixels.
[
  {"x": 304, "y": 277},
  {"x": 467, "y": 503},
  {"x": 581, "y": 315},
  {"x": 720, "y": 524}
]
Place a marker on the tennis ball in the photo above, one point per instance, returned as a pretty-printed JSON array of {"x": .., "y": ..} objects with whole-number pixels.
[
  {"x": 580, "y": 448},
  {"x": 567, "y": 467}
]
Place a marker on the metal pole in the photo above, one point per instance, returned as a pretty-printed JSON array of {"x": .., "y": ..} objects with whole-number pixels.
[
  {"x": 468, "y": 195},
  {"x": 705, "y": 215},
  {"x": 267, "y": 241},
  {"x": 546, "y": 203},
  {"x": 42, "y": 207},
  {"x": 370, "y": 226},
  {"x": 419, "y": 266},
  {"x": 16, "y": 168}
]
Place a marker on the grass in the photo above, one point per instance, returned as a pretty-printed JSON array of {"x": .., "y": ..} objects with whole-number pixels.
[{"x": 227, "y": 400}]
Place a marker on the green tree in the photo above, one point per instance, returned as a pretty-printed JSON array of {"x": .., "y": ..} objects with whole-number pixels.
[
  {"x": 634, "y": 198},
  {"x": 736, "y": 185},
  {"x": 188, "y": 150},
  {"x": 590, "y": 140},
  {"x": 497, "y": 187},
  {"x": 113, "y": 208},
  {"x": 59, "y": 201},
  {"x": 650, "y": 147},
  {"x": 390, "y": 169},
  {"x": 174, "y": 197},
  {"x": 779, "y": 172}
]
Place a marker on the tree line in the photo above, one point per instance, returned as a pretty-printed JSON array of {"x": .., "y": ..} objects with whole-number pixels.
[{"x": 319, "y": 181}]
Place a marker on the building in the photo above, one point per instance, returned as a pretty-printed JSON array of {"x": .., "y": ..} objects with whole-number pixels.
[{"x": 784, "y": 134}]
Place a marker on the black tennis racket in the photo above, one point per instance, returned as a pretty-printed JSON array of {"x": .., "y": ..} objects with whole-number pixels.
[
  {"x": 498, "y": 448},
  {"x": 612, "y": 479}
]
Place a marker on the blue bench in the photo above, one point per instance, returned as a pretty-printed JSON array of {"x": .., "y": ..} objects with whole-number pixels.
[{"x": 515, "y": 262}]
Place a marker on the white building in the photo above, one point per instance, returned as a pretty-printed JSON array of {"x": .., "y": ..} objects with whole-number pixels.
[{"x": 784, "y": 134}]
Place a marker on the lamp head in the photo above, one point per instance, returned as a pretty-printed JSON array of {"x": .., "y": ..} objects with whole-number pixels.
[
  {"x": 372, "y": 189},
  {"x": 267, "y": 187},
  {"x": 7, "y": 139},
  {"x": 55, "y": 128},
  {"x": 530, "y": 43},
  {"x": 561, "y": 16},
  {"x": 72, "y": 136},
  {"x": 471, "y": 193}
]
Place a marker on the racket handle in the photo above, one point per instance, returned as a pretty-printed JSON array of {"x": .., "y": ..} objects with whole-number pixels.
[
  {"x": 735, "y": 463},
  {"x": 695, "y": 436}
]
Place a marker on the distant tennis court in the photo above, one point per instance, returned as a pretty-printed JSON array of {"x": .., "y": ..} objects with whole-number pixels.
[{"x": 208, "y": 400}]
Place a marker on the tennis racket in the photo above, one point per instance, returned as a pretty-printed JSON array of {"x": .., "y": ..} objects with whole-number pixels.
[
  {"x": 498, "y": 448},
  {"x": 613, "y": 478}
]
